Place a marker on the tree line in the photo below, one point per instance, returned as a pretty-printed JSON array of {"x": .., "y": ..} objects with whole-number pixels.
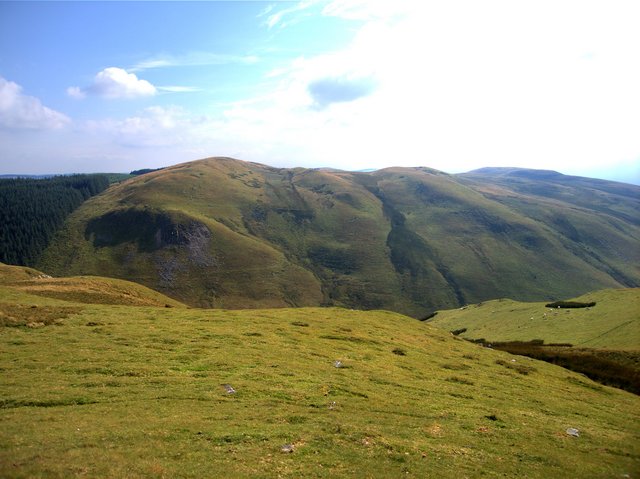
[{"x": 32, "y": 210}]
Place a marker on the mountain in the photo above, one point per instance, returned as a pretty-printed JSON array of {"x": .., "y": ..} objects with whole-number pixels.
[
  {"x": 95, "y": 390},
  {"x": 225, "y": 233}
]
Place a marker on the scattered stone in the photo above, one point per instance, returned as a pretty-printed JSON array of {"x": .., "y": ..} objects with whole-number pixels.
[
  {"x": 572, "y": 431},
  {"x": 288, "y": 448},
  {"x": 229, "y": 388},
  {"x": 332, "y": 405},
  {"x": 337, "y": 364}
]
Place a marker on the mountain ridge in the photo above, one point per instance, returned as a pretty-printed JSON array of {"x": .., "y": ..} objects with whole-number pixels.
[{"x": 221, "y": 232}]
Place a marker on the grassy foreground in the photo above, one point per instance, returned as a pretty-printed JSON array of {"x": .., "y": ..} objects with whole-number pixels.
[{"x": 126, "y": 391}]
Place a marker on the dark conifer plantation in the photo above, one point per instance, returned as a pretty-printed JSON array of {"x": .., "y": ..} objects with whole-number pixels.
[{"x": 31, "y": 210}]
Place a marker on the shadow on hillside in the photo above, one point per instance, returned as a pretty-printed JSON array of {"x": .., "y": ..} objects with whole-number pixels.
[{"x": 620, "y": 369}]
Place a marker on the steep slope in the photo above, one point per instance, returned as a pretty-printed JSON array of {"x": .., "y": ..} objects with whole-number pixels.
[
  {"x": 226, "y": 233},
  {"x": 613, "y": 323},
  {"x": 124, "y": 391},
  {"x": 595, "y": 220}
]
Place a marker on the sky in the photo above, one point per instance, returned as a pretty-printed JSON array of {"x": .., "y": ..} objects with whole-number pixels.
[{"x": 351, "y": 84}]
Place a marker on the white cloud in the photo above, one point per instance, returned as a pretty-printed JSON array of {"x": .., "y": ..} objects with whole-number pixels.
[
  {"x": 76, "y": 92},
  {"x": 20, "y": 111},
  {"x": 459, "y": 85},
  {"x": 114, "y": 83},
  {"x": 154, "y": 127}
]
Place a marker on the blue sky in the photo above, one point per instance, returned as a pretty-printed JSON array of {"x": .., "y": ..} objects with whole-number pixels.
[{"x": 455, "y": 85}]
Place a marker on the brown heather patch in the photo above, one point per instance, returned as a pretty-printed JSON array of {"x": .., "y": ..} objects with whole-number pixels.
[{"x": 12, "y": 315}]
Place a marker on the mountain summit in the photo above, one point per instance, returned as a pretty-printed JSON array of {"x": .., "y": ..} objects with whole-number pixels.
[{"x": 226, "y": 233}]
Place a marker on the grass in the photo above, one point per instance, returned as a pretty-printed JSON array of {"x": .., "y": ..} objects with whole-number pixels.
[
  {"x": 613, "y": 323},
  {"x": 140, "y": 391}
]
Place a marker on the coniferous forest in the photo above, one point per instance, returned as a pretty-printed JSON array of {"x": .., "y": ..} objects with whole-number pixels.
[{"x": 31, "y": 210}]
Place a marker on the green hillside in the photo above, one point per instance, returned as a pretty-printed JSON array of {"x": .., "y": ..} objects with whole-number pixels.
[
  {"x": 132, "y": 391},
  {"x": 230, "y": 234},
  {"x": 613, "y": 323}
]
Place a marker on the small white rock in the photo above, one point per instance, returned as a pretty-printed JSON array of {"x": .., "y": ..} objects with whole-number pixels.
[{"x": 572, "y": 431}]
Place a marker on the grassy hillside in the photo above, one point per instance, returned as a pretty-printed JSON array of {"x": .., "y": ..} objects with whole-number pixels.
[
  {"x": 82, "y": 289},
  {"x": 230, "y": 234},
  {"x": 613, "y": 323},
  {"x": 131, "y": 391}
]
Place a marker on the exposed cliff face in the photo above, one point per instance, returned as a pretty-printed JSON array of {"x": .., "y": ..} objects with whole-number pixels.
[{"x": 226, "y": 233}]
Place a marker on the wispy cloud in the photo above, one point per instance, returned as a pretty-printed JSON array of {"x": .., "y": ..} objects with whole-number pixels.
[
  {"x": 280, "y": 17},
  {"x": 268, "y": 9},
  {"x": 367, "y": 9},
  {"x": 178, "y": 89},
  {"x": 361, "y": 10},
  {"x": 192, "y": 59},
  {"x": 20, "y": 111}
]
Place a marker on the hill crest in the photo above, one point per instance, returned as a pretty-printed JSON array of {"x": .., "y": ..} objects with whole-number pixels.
[{"x": 226, "y": 233}]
